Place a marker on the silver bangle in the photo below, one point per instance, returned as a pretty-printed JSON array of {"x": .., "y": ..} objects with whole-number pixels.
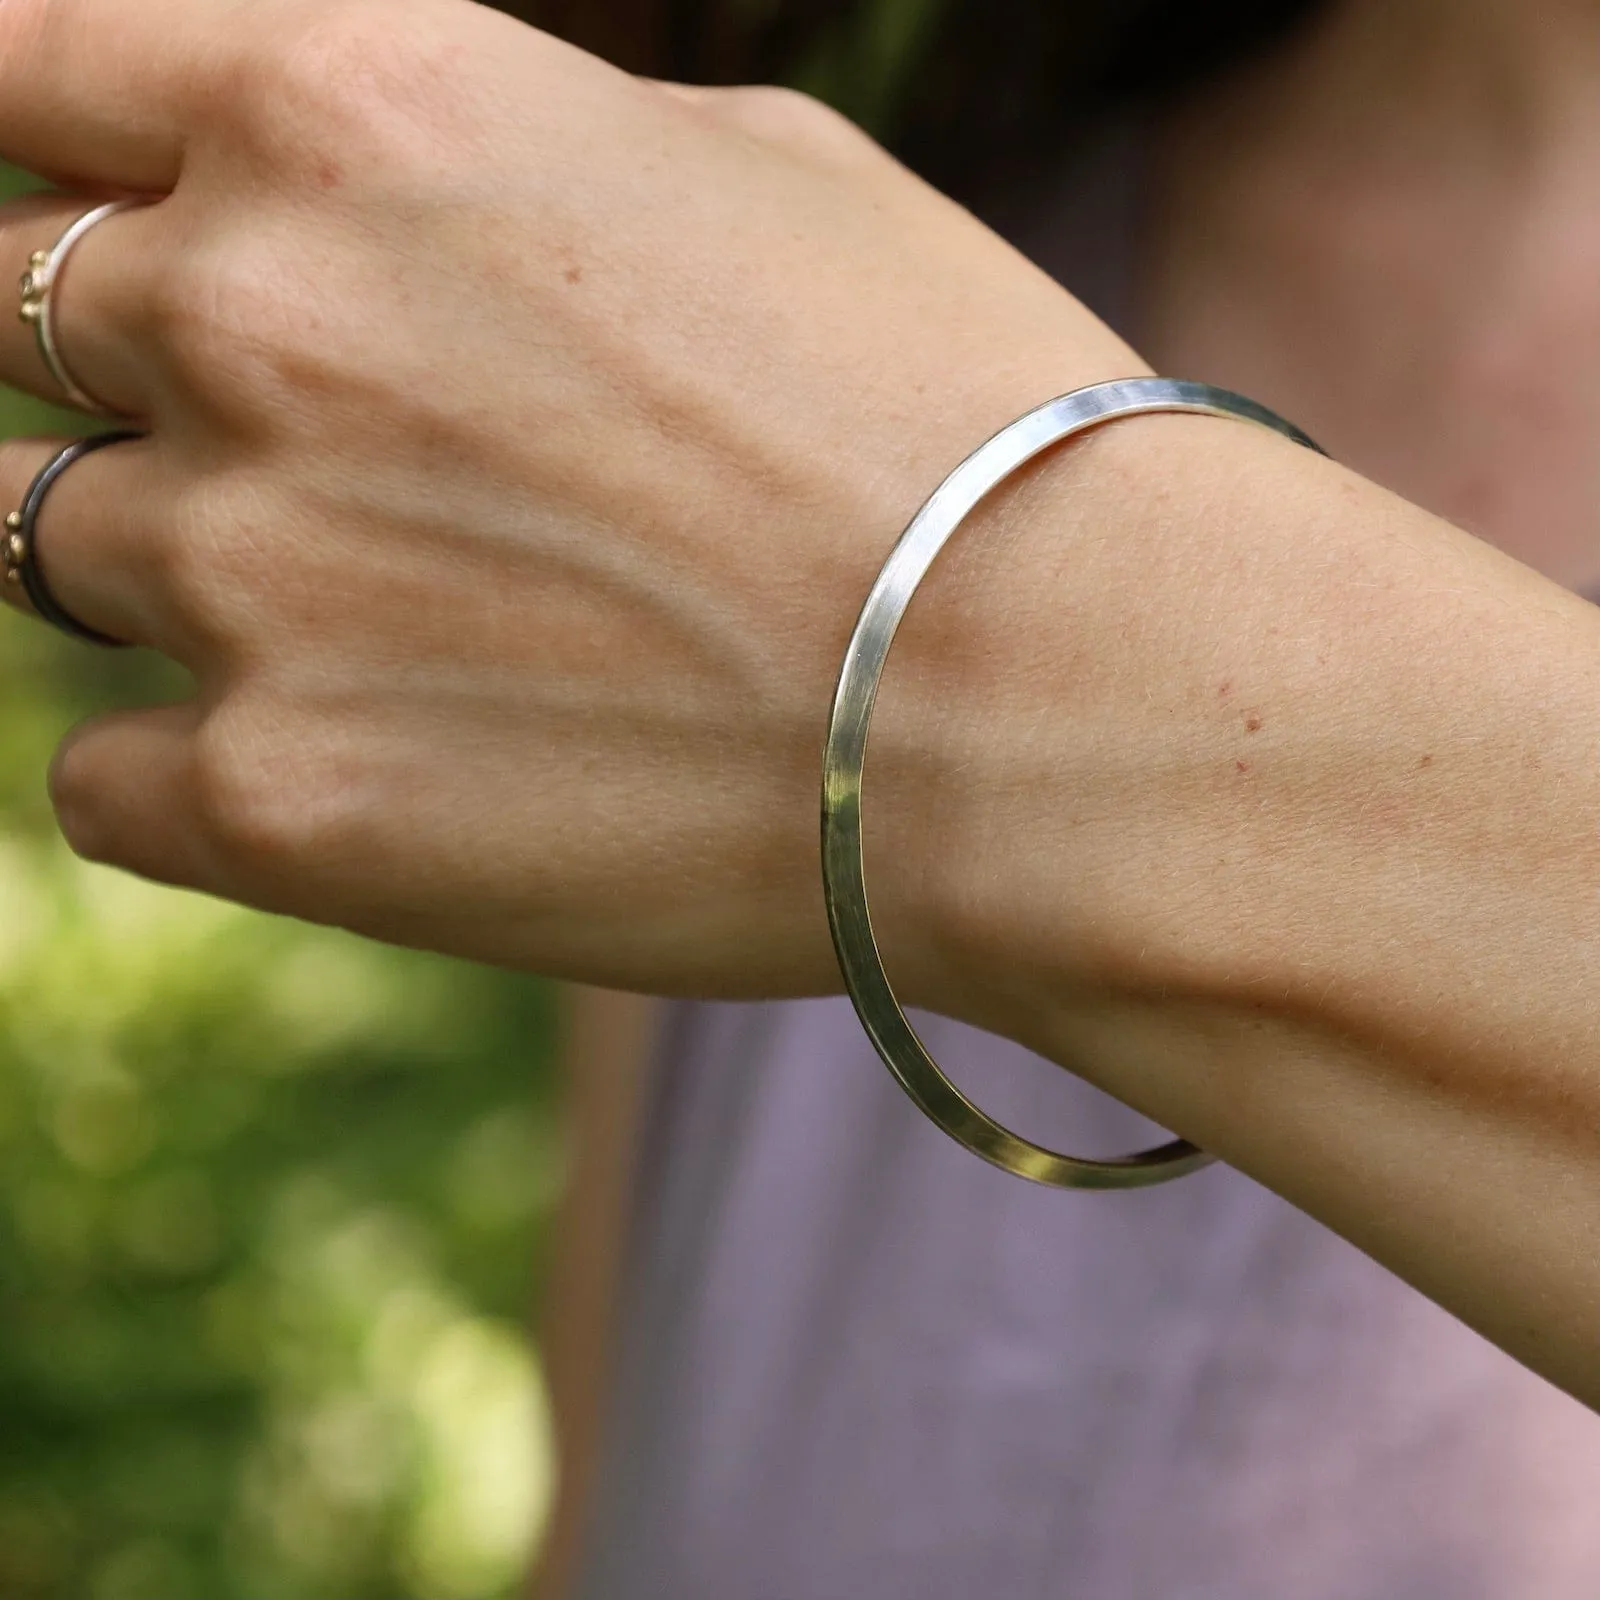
[{"x": 843, "y": 871}]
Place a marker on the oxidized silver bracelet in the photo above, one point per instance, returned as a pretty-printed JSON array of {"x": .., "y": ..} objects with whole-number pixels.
[{"x": 843, "y": 871}]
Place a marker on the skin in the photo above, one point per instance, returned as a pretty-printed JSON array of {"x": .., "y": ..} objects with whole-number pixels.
[
  {"x": 523, "y": 439},
  {"x": 1418, "y": 284}
]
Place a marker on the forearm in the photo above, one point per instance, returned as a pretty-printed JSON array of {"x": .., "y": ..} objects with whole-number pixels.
[{"x": 1269, "y": 803}]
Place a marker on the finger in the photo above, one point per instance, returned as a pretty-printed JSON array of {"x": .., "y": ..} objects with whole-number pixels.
[
  {"x": 103, "y": 92},
  {"x": 123, "y": 790},
  {"x": 95, "y": 540},
  {"x": 94, "y": 302}
]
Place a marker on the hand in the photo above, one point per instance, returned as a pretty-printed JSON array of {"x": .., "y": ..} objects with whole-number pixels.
[{"x": 522, "y": 439}]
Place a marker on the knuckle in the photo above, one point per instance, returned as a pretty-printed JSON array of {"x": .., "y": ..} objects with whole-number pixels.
[
  {"x": 345, "y": 71},
  {"x": 193, "y": 581},
  {"x": 204, "y": 309},
  {"x": 213, "y": 564},
  {"x": 258, "y": 799},
  {"x": 329, "y": 56},
  {"x": 221, "y": 320},
  {"x": 794, "y": 118}
]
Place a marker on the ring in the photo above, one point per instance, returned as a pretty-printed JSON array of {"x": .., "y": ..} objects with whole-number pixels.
[
  {"x": 843, "y": 868},
  {"x": 21, "y": 550},
  {"x": 38, "y": 287}
]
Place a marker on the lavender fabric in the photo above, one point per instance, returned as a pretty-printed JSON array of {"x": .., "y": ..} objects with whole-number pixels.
[{"x": 856, "y": 1362}]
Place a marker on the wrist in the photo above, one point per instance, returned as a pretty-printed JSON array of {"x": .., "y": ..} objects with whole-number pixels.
[
  {"x": 1050, "y": 771},
  {"x": 1176, "y": 753},
  {"x": 977, "y": 764}
]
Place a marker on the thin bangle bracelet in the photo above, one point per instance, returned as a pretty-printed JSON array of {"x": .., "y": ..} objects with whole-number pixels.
[{"x": 843, "y": 871}]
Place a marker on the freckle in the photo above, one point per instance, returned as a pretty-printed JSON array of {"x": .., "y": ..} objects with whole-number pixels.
[
  {"x": 574, "y": 274},
  {"x": 1241, "y": 766},
  {"x": 1426, "y": 761},
  {"x": 1225, "y": 690},
  {"x": 330, "y": 175},
  {"x": 1252, "y": 725}
]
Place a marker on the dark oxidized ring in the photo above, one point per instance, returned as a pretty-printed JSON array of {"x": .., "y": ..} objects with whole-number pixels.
[{"x": 21, "y": 549}]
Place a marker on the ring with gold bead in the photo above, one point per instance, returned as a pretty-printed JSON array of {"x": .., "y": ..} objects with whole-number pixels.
[
  {"x": 19, "y": 554},
  {"x": 39, "y": 286}
]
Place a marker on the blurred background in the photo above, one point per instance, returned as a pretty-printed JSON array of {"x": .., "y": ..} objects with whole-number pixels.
[{"x": 272, "y": 1211}]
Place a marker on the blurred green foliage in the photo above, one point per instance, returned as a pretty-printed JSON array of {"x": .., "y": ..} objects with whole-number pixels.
[
  {"x": 270, "y": 1207},
  {"x": 864, "y": 63}
]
